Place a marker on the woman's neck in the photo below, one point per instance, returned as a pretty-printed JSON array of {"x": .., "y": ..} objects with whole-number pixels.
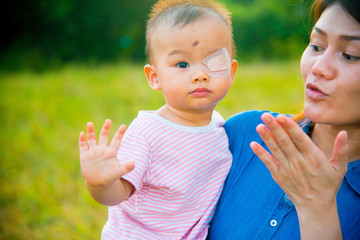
[{"x": 324, "y": 137}]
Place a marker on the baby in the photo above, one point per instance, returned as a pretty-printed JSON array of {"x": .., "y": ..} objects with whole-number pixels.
[{"x": 165, "y": 179}]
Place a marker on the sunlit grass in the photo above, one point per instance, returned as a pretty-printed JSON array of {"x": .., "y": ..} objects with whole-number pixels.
[
  {"x": 267, "y": 86},
  {"x": 42, "y": 191}
]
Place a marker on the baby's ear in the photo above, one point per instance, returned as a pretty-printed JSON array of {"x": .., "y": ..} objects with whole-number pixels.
[
  {"x": 152, "y": 77},
  {"x": 234, "y": 66}
]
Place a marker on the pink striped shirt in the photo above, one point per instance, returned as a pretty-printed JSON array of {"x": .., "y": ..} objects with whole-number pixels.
[{"x": 178, "y": 176}]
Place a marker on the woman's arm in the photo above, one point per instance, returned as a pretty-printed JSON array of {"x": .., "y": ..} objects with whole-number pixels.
[{"x": 307, "y": 176}]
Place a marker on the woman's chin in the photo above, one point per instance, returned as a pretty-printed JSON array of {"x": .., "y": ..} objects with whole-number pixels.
[{"x": 313, "y": 114}]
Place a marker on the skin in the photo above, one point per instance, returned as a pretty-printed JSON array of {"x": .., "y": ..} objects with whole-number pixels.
[
  {"x": 190, "y": 95},
  {"x": 311, "y": 170}
]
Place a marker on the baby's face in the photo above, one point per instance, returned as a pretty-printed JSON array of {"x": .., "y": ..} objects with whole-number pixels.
[{"x": 193, "y": 63}]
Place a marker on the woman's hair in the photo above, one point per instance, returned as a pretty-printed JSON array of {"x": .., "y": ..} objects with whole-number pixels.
[
  {"x": 179, "y": 13},
  {"x": 351, "y": 7}
]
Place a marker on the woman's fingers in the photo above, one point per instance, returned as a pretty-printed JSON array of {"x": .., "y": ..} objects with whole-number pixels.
[
  {"x": 280, "y": 134},
  {"x": 115, "y": 142},
  {"x": 298, "y": 137},
  {"x": 278, "y": 140},
  {"x": 309, "y": 150},
  {"x": 269, "y": 161},
  {"x": 271, "y": 143},
  {"x": 104, "y": 133}
]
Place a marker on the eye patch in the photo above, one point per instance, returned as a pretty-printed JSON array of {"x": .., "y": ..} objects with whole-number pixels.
[{"x": 217, "y": 64}]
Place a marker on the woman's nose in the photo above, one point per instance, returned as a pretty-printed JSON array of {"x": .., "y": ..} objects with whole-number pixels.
[{"x": 324, "y": 66}]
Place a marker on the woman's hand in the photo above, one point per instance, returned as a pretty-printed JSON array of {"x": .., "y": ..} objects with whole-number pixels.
[
  {"x": 99, "y": 166},
  {"x": 309, "y": 178}
]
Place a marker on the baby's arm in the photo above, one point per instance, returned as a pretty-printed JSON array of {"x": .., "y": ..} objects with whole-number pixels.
[{"x": 101, "y": 170}]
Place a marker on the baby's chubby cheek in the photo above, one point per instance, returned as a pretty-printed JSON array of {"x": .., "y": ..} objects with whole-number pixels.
[{"x": 217, "y": 64}]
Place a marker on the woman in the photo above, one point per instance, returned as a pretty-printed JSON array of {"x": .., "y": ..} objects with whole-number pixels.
[{"x": 299, "y": 191}]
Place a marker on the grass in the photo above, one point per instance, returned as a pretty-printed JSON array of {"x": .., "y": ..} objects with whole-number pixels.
[{"x": 43, "y": 195}]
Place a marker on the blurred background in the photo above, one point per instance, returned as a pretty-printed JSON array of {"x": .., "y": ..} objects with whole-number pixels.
[{"x": 64, "y": 63}]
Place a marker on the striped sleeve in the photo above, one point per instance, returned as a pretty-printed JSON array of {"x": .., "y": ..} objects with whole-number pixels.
[{"x": 134, "y": 146}]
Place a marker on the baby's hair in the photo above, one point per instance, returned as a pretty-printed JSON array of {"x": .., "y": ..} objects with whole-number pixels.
[{"x": 179, "y": 13}]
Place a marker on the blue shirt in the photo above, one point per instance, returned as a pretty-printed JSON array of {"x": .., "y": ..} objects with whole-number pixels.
[{"x": 253, "y": 206}]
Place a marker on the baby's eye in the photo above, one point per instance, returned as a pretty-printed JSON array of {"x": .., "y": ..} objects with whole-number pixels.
[
  {"x": 182, "y": 65},
  {"x": 316, "y": 48},
  {"x": 350, "y": 58}
]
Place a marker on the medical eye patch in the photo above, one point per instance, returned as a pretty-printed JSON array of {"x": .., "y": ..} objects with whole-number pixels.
[{"x": 217, "y": 64}]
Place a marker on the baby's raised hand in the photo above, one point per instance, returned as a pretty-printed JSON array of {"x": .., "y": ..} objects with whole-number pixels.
[{"x": 98, "y": 162}]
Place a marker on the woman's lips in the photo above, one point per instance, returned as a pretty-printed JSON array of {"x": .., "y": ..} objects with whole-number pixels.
[
  {"x": 314, "y": 92},
  {"x": 200, "y": 92}
]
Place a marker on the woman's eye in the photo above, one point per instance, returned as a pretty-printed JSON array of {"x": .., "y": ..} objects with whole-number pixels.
[
  {"x": 182, "y": 65},
  {"x": 316, "y": 48},
  {"x": 350, "y": 58}
]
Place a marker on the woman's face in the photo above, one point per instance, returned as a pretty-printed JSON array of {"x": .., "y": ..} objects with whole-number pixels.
[{"x": 330, "y": 67}]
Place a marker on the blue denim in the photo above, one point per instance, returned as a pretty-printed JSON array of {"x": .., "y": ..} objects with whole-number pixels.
[{"x": 253, "y": 206}]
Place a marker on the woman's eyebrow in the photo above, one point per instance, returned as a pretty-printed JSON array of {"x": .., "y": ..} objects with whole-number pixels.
[
  {"x": 343, "y": 37},
  {"x": 349, "y": 38},
  {"x": 321, "y": 32}
]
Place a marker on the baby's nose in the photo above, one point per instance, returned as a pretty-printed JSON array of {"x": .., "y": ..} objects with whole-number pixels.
[{"x": 200, "y": 76}]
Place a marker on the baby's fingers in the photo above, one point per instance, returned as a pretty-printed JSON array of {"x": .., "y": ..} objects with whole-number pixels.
[
  {"x": 126, "y": 168},
  {"x": 83, "y": 147},
  {"x": 115, "y": 141},
  {"x": 104, "y": 133},
  {"x": 91, "y": 136}
]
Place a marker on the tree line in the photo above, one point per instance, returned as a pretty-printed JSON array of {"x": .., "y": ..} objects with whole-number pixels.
[{"x": 42, "y": 33}]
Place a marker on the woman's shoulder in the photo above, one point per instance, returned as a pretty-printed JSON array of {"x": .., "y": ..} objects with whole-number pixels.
[
  {"x": 247, "y": 118},
  {"x": 353, "y": 176},
  {"x": 241, "y": 128}
]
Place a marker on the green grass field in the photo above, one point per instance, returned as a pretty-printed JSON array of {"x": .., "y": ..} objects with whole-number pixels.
[{"x": 42, "y": 194}]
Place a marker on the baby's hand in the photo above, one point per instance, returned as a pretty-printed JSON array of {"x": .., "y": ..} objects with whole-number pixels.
[{"x": 98, "y": 162}]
